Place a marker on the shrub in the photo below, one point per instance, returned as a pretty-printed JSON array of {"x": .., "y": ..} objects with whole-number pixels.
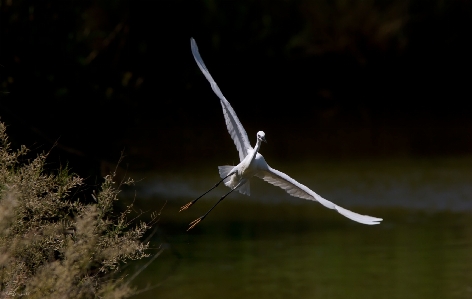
[{"x": 54, "y": 244}]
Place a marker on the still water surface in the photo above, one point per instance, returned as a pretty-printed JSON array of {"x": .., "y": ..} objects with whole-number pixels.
[{"x": 271, "y": 245}]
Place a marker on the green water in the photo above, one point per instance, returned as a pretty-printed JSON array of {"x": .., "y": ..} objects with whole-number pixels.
[{"x": 274, "y": 246}]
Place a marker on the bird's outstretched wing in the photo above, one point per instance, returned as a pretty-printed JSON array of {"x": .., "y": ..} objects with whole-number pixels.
[
  {"x": 296, "y": 189},
  {"x": 235, "y": 128}
]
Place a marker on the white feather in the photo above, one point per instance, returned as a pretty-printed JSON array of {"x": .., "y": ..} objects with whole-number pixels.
[
  {"x": 296, "y": 189},
  {"x": 252, "y": 163},
  {"x": 235, "y": 128}
]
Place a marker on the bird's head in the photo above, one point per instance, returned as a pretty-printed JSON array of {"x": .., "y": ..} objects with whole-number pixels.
[{"x": 261, "y": 136}]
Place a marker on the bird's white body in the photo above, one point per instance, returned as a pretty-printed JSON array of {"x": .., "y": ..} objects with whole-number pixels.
[{"x": 252, "y": 163}]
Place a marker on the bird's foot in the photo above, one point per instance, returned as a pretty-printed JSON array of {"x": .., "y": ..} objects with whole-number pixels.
[
  {"x": 184, "y": 207},
  {"x": 195, "y": 222}
]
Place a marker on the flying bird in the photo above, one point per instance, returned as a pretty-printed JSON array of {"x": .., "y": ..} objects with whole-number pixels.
[{"x": 253, "y": 163}]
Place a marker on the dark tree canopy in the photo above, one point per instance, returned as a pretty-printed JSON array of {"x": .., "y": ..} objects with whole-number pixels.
[{"x": 376, "y": 77}]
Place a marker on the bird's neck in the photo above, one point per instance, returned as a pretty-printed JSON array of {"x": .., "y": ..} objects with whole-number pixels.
[
  {"x": 252, "y": 154},
  {"x": 256, "y": 149}
]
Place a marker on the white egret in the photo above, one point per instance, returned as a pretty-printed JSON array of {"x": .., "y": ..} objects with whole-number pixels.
[{"x": 253, "y": 163}]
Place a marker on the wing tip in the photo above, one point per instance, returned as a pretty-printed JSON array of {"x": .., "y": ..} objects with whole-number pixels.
[
  {"x": 364, "y": 219},
  {"x": 375, "y": 221}
]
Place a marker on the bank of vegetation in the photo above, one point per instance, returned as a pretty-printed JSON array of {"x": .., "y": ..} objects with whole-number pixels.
[{"x": 58, "y": 239}]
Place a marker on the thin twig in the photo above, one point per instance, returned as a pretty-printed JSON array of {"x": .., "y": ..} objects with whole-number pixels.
[{"x": 145, "y": 265}]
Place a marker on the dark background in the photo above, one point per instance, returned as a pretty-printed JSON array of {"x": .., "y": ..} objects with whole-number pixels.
[{"x": 323, "y": 79}]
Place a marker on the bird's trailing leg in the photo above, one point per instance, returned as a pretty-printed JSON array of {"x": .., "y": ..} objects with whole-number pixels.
[
  {"x": 199, "y": 219},
  {"x": 186, "y": 206}
]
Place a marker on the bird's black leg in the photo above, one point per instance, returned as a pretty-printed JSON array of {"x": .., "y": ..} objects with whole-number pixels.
[
  {"x": 195, "y": 200},
  {"x": 196, "y": 221}
]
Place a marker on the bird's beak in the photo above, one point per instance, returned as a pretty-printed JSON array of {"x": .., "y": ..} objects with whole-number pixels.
[{"x": 263, "y": 139}]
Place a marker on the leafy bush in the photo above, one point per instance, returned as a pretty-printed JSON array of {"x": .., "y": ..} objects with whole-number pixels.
[{"x": 53, "y": 245}]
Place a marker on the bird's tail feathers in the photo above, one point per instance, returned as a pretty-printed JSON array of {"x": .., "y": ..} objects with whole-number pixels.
[
  {"x": 245, "y": 189},
  {"x": 224, "y": 171}
]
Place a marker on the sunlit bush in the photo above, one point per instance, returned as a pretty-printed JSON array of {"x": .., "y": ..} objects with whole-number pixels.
[{"x": 55, "y": 244}]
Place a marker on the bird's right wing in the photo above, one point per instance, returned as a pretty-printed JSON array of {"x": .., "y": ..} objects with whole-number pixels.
[
  {"x": 296, "y": 189},
  {"x": 235, "y": 128}
]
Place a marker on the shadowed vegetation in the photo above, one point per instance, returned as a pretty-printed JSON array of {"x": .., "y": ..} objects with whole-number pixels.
[{"x": 365, "y": 78}]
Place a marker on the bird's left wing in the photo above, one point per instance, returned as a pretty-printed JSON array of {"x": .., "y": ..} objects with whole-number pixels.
[
  {"x": 296, "y": 189},
  {"x": 235, "y": 128}
]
